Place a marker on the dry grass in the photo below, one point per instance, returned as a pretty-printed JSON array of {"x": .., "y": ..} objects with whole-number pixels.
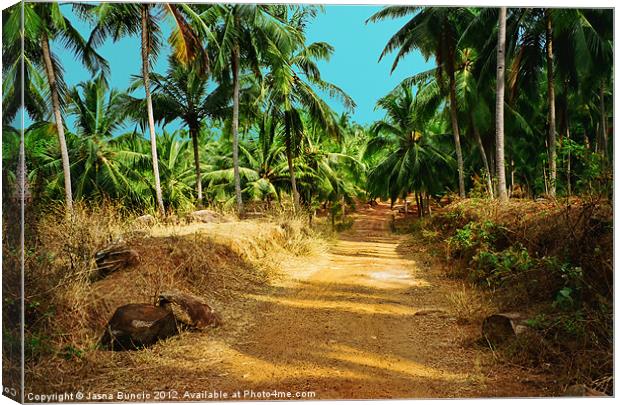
[
  {"x": 470, "y": 305},
  {"x": 565, "y": 244},
  {"x": 219, "y": 262}
]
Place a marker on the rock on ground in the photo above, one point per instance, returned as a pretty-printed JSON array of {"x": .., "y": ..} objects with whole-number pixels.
[
  {"x": 134, "y": 326},
  {"x": 113, "y": 258},
  {"x": 207, "y": 216},
  {"x": 200, "y": 313}
]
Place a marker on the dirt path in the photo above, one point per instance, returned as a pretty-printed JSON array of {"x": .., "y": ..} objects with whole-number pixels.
[
  {"x": 367, "y": 320},
  {"x": 371, "y": 318}
]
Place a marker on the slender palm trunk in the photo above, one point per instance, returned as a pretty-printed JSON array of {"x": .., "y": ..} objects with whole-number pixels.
[
  {"x": 512, "y": 176},
  {"x": 483, "y": 155},
  {"x": 235, "y": 127},
  {"x": 64, "y": 153},
  {"x": 566, "y": 125},
  {"x": 418, "y": 206},
  {"x": 603, "y": 124},
  {"x": 551, "y": 100},
  {"x": 428, "y": 205},
  {"x": 499, "y": 106},
  {"x": 457, "y": 136},
  {"x": 289, "y": 158},
  {"x": 546, "y": 180},
  {"x": 149, "y": 106},
  {"x": 194, "y": 135},
  {"x": 569, "y": 190}
]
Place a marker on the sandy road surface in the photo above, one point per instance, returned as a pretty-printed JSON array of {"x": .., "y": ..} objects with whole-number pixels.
[{"x": 369, "y": 319}]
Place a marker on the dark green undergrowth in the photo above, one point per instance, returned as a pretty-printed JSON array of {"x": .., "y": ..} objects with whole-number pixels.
[{"x": 552, "y": 262}]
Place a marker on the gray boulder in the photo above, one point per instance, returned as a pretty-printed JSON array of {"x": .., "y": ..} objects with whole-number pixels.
[
  {"x": 146, "y": 220},
  {"x": 207, "y": 216},
  {"x": 580, "y": 390}
]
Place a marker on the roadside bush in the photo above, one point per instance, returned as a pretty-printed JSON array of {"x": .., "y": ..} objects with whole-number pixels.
[{"x": 549, "y": 261}]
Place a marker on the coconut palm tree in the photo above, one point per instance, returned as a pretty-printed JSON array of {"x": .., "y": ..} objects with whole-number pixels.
[
  {"x": 291, "y": 85},
  {"x": 551, "y": 138},
  {"x": 434, "y": 31},
  {"x": 243, "y": 33},
  {"x": 410, "y": 159},
  {"x": 39, "y": 151},
  {"x": 499, "y": 105},
  {"x": 266, "y": 156},
  {"x": 118, "y": 20},
  {"x": 470, "y": 95},
  {"x": 177, "y": 173},
  {"x": 331, "y": 170},
  {"x": 104, "y": 168},
  {"x": 184, "y": 93},
  {"x": 583, "y": 52},
  {"x": 46, "y": 23}
]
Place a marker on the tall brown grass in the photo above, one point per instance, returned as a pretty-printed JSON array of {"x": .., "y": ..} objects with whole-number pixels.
[{"x": 220, "y": 262}]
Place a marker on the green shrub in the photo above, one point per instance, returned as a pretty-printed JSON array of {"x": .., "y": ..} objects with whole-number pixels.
[
  {"x": 471, "y": 238},
  {"x": 496, "y": 268}
]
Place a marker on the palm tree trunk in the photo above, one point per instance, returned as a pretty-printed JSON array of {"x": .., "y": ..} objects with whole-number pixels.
[
  {"x": 235, "y": 127},
  {"x": 64, "y": 153},
  {"x": 457, "y": 136},
  {"x": 149, "y": 106},
  {"x": 428, "y": 205},
  {"x": 603, "y": 125},
  {"x": 418, "y": 205},
  {"x": 569, "y": 190},
  {"x": 499, "y": 106},
  {"x": 546, "y": 181},
  {"x": 512, "y": 176},
  {"x": 289, "y": 158},
  {"x": 194, "y": 135},
  {"x": 551, "y": 100},
  {"x": 566, "y": 124},
  {"x": 483, "y": 154}
]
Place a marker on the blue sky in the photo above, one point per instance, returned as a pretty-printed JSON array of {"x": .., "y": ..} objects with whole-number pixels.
[{"x": 354, "y": 65}]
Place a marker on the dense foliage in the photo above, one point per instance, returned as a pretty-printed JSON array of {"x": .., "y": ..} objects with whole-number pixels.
[{"x": 257, "y": 123}]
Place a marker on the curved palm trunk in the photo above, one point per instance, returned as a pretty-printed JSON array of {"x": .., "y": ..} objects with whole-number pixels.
[
  {"x": 235, "y": 127},
  {"x": 64, "y": 153},
  {"x": 551, "y": 100},
  {"x": 149, "y": 107},
  {"x": 289, "y": 158},
  {"x": 483, "y": 155},
  {"x": 457, "y": 136},
  {"x": 194, "y": 134},
  {"x": 499, "y": 106}
]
